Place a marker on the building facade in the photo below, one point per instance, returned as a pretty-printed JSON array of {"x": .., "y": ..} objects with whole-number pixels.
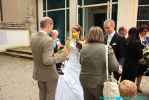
[
  {"x": 16, "y": 18},
  {"x": 18, "y": 12},
  {"x": 66, "y": 13}
]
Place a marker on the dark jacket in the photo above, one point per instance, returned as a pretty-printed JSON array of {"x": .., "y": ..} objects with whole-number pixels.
[
  {"x": 118, "y": 44},
  {"x": 133, "y": 53}
]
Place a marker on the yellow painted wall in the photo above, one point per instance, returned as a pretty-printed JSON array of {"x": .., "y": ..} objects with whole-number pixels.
[{"x": 127, "y": 13}]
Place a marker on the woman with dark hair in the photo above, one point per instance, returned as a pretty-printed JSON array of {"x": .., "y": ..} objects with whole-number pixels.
[
  {"x": 143, "y": 30},
  {"x": 133, "y": 35},
  {"x": 133, "y": 53}
]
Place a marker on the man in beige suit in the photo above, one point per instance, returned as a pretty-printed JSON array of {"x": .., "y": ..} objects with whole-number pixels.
[{"x": 44, "y": 60}]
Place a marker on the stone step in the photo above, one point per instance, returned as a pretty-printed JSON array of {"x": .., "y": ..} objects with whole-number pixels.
[
  {"x": 20, "y": 51},
  {"x": 16, "y": 54}
]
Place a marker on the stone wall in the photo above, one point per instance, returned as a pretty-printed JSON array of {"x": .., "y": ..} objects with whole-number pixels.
[
  {"x": 19, "y": 11},
  {"x": 10, "y": 38}
]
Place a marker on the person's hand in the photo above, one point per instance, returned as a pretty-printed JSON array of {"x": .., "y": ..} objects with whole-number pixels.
[
  {"x": 67, "y": 45},
  {"x": 120, "y": 69},
  {"x": 66, "y": 51},
  {"x": 62, "y": 53}
]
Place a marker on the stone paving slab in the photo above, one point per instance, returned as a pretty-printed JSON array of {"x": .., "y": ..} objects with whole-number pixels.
[{"x": 16, "y": 81}]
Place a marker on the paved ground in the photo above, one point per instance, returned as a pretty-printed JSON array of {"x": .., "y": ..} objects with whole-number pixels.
[{"x": 16, "y": 79}]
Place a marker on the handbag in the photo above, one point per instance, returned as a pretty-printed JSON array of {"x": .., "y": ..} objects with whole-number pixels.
[
  {"x": 111, "y": 88},
  {"x": 144, "y": 87},
  {"x": 146, "y": 55}
]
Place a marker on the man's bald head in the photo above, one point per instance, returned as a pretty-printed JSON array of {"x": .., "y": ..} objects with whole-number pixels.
[
  {"x": 109, "y": 26},
  {"x": 46, "y": 22}
]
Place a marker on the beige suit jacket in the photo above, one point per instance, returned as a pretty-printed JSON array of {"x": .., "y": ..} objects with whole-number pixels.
[{"x": 41, "y": 45}]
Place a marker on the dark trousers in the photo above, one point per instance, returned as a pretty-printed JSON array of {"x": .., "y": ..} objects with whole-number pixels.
[
  {"x": 92, "y": 93},
  {"x": 47, "y": 90},
  {"x": 117, "y": 75}
]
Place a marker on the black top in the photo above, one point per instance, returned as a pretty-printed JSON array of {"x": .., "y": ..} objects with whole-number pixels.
[{"x": 133, "y": 53}]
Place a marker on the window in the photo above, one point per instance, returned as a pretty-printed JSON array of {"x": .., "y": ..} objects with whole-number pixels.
[
  {"x": 143, "y": 2},
  {"x": 89, "y": 2},
  {"x": 44, "y": 4},
  {"x": 114, "y": 13},
  {"x": 55, "y": 4},
  {"x": 143, "y": 15},
  {"x": 58, "y": 10},
  {"x": 90, "y": 12},
  {"x": 94, "y": 12}
]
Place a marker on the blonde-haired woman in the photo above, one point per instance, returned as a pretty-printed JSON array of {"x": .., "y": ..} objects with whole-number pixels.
[
  {"x": 69, "y": 86},
  {"x": 93, "y": 64}
]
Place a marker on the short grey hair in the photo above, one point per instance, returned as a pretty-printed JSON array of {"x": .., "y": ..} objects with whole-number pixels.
[
  {"x": 45, "y": 21},
  {"x": 112, "y": 22}
]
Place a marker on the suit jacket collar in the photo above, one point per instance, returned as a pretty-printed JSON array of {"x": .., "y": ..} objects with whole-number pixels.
[
  {"x": 41, "y": 31},
  {"x": 114, "y": 38},
  {"x": 112, "y": 34}
]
